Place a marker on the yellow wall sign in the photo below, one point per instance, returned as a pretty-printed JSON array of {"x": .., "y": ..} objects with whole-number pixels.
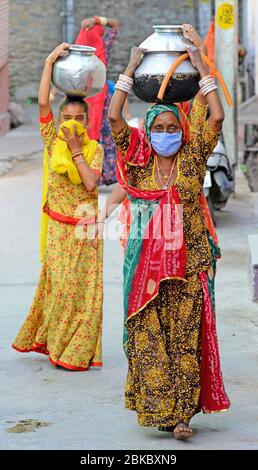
[{"x": 225, "y": 16}]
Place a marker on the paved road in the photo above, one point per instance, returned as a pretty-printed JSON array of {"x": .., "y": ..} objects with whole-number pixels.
[{"x": 85, "y": 410}]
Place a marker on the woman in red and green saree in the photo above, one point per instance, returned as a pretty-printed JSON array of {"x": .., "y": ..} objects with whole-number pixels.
[{"x": 170, "y": 331}]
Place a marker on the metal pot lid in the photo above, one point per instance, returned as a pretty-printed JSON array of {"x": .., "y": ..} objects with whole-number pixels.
[
  {"x": 166, "y": 38},
  {"x": 168, "y": 28},
  {"x": 82, "y": 49}
]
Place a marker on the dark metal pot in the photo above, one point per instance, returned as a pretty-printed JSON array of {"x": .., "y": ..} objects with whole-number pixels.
[{"x": 163, "y": 48}]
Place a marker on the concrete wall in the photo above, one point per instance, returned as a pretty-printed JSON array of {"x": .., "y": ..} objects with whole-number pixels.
[
  {"x": 36, "y": 28},
  {"x": 137, "y": 18},
  {"x": 4, "y": 87}
]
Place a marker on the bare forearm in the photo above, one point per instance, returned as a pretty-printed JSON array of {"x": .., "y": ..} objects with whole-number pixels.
[
  {"x": 116, "y": 197},
  {"x": 217, "y": 114},
  {"x": 212, "y": 97},
  {"x": 213, "y": 100},
  {"x": 44, "y": 88},
  {"x": 201, "y": 99},
  {"x": 45, "y": 83},
  {"x": 89, "y": 178},
  {"x": 115, "y": 112}
]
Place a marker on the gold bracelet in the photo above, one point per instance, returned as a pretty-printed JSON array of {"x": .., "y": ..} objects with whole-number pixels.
[
  {"x": 74, "y": 155},
  {"x": 78, "y": 163}
]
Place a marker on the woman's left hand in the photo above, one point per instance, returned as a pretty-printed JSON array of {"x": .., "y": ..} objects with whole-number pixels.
[
  {"x": 88, "y": 23},
  {"x": 191, "y": 34},
  {"x": 196, "y": 59},
  {"x": 73, "y": 140}
]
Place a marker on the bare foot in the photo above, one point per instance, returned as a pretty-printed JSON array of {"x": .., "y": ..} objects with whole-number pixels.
[{"x": 182, "y": 431}]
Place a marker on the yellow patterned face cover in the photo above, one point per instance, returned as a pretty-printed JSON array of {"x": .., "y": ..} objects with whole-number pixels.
[{"x": 61, "y": 162}]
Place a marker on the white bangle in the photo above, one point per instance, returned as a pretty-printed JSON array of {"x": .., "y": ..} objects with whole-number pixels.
[
  {"x": 207, "y": 87},
  {"x": 125, "y": 79},
  {"x": 209, "y": 90},
  {"x": 207, "y": 77},
  {"x": 122, "y": 86},
  {"x": 208, "y": 83},
  {"x": 103, "y": 20}
]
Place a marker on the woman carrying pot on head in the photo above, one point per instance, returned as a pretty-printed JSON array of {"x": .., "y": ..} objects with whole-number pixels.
[
  {"x": 65, "y": 320},
  {"x": 170, "y": 335},
  {"x": 100, "y": 32},
  {"x": 196, "y": 112}
]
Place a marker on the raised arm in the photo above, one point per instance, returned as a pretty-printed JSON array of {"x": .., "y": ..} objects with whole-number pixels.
[
  {"x": 88, "y": 23},
  {"x": 213, "y": 100},
  {"x": 45, "y": 83},
  {"x": 115, "y": 112},
  {"x": 190, "y": 33}
]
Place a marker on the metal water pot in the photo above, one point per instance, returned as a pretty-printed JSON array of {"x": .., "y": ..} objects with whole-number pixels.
[
  {"x": 80, "y": 72},
  {"x": 163, "y": 48}
]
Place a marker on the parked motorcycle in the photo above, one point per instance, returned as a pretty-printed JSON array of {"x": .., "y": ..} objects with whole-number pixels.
[{"x": 219, "y": 180}]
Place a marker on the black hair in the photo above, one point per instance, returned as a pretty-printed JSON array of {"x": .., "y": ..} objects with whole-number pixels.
[{"x": 73, "y": 100}]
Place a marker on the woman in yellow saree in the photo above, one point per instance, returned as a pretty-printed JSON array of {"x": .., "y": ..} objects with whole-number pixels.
[{"x": 65, "y": 320}]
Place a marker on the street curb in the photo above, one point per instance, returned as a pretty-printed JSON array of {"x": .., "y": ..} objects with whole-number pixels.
[{"x": 8, "y": 163}]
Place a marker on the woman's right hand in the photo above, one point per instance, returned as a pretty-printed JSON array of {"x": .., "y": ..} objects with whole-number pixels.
[
  {"x": 88, "y": 23},
  {"x": 72, "y": 139},
  {"x": 59, "y": 51},
  {"x": 135, "y": 60}
]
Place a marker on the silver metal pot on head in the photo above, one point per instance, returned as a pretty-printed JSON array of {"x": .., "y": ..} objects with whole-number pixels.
[
  {"x": 164, "y": 46},
  {"x": 80, "y": 72}
]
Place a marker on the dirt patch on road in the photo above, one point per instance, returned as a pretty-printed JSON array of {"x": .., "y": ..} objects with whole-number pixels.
[{"x": 28, "y": 425}]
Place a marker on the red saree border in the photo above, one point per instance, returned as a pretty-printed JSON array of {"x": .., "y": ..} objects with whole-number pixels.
[
  {"x": 213, "y": 397},
  {"x": 67, "y": 366},
  {"x": 38, "y": 348}
]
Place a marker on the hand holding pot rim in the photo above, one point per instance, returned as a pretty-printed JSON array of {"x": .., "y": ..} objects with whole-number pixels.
[
  {"x": 135, "y": 58},
  {"x": 196, "y": 59},
  {"x": 59, "y": 51}
]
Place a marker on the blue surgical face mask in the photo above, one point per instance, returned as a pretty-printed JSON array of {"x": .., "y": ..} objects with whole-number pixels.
[{"x": 166, "y": 144}]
